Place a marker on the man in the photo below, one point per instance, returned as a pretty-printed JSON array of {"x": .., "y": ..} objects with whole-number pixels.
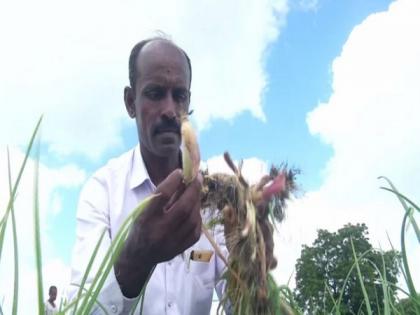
[
  {"x": 50, "y": 306},
  {"x": 170, "y": 227}
]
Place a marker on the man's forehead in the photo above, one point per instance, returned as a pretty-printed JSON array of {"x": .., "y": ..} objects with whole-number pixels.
[{"x": 159, "y": 54}]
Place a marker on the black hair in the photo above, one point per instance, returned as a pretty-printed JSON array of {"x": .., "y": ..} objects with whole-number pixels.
[
  {"x": 132, "y": 69},
  {"x": 52, "y": 288}
]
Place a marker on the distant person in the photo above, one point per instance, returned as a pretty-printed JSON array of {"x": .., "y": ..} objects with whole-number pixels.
[{"x": 50, "y": 306}]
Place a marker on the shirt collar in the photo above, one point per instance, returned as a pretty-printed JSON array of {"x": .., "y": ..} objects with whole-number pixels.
[{"x": 138, "y": 172}]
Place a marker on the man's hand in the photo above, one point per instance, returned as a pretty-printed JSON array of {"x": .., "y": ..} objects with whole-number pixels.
[{"x": 167, "y": 227}]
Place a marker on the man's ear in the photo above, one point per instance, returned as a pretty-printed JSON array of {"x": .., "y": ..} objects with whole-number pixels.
[{"x": 129, "y": 99}]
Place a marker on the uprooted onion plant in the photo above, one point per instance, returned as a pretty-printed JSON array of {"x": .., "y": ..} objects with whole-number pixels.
[{"x": 245, "y": 211}]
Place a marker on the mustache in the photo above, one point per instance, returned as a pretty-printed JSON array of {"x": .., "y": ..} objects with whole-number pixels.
[{"x": 171, "y": 125}]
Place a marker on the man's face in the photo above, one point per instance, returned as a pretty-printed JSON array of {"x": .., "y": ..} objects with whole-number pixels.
[
  {"x": 162, "y": 96},
  {"x": 53, "y": 294}
]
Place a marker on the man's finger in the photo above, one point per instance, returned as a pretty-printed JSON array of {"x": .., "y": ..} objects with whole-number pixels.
[
  {"x": 166, "y": 189},
  {"x": 187, "y": 200},
  {"x": 170, "y": 184}
]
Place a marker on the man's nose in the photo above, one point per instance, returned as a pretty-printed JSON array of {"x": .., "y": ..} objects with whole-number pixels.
[{"x": 170, "y": 108}]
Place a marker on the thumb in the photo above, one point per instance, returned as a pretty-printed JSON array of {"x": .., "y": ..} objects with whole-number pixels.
[{"x": 166, "y": 189}]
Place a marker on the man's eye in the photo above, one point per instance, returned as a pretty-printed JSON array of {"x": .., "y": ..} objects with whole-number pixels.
[
  {"x": 181, "y": 96},
  {"x": 154, "y": 94}
]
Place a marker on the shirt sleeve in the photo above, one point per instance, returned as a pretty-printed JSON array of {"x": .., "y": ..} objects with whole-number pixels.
[{"x": 91, "y": 220}]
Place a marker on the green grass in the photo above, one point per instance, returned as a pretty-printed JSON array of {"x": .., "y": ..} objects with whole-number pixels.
[
  {"x": 37, "y": 236},
  {"x": 15, "y": 243},
  {"x": 87, "y": 271},
  {"x": 10, "y": 211},
  {"x": 86, "y": 297},
  {"x": 360, "y": 276}
]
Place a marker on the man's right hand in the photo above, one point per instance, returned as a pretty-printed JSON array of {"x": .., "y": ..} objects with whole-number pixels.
[{"x": 168, "y": 226}]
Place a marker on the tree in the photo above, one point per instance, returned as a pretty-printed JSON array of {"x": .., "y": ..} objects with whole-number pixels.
[{"x": 322, "y": 268}]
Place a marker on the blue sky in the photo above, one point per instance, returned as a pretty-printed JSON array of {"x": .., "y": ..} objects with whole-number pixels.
[{"x": 327, "y": 86}]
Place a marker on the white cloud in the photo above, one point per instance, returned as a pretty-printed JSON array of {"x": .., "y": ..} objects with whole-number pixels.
[
  {"x": 51, "y": 181},
  {"x": 69, "y": 61},
  {"x": 371, "y": 122},
  {"x": 252, "y": 170}
]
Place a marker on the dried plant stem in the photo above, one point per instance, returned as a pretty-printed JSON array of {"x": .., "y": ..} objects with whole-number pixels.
[{"x": 219, "y": 252}]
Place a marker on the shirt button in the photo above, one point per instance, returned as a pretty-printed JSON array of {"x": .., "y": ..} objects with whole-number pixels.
[
  {"x": 169, "y": 304},
  {"x": 114, "y": 308},
  {"x": 169, "y": 263}
]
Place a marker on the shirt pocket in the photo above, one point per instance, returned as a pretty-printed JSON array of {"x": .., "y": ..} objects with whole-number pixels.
[{"x": 202, "y": 272}]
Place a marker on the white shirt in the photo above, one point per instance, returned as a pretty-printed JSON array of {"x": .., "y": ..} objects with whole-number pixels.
[
  {"x": 176, "y": 287},
  {"x": 49, "y": 309}
]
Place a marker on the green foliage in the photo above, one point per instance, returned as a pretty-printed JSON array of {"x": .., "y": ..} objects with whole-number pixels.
[
  {"x": 322, "y": 269},
  {"x": 86, "y": 299},
  {"x": 37, "y": 237},
  {"x": 407, "y": 306},
  {"x": 10, "y": 210},
  {"x": 410, "y": 208},
  {"x": 15, "y": 242}
]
